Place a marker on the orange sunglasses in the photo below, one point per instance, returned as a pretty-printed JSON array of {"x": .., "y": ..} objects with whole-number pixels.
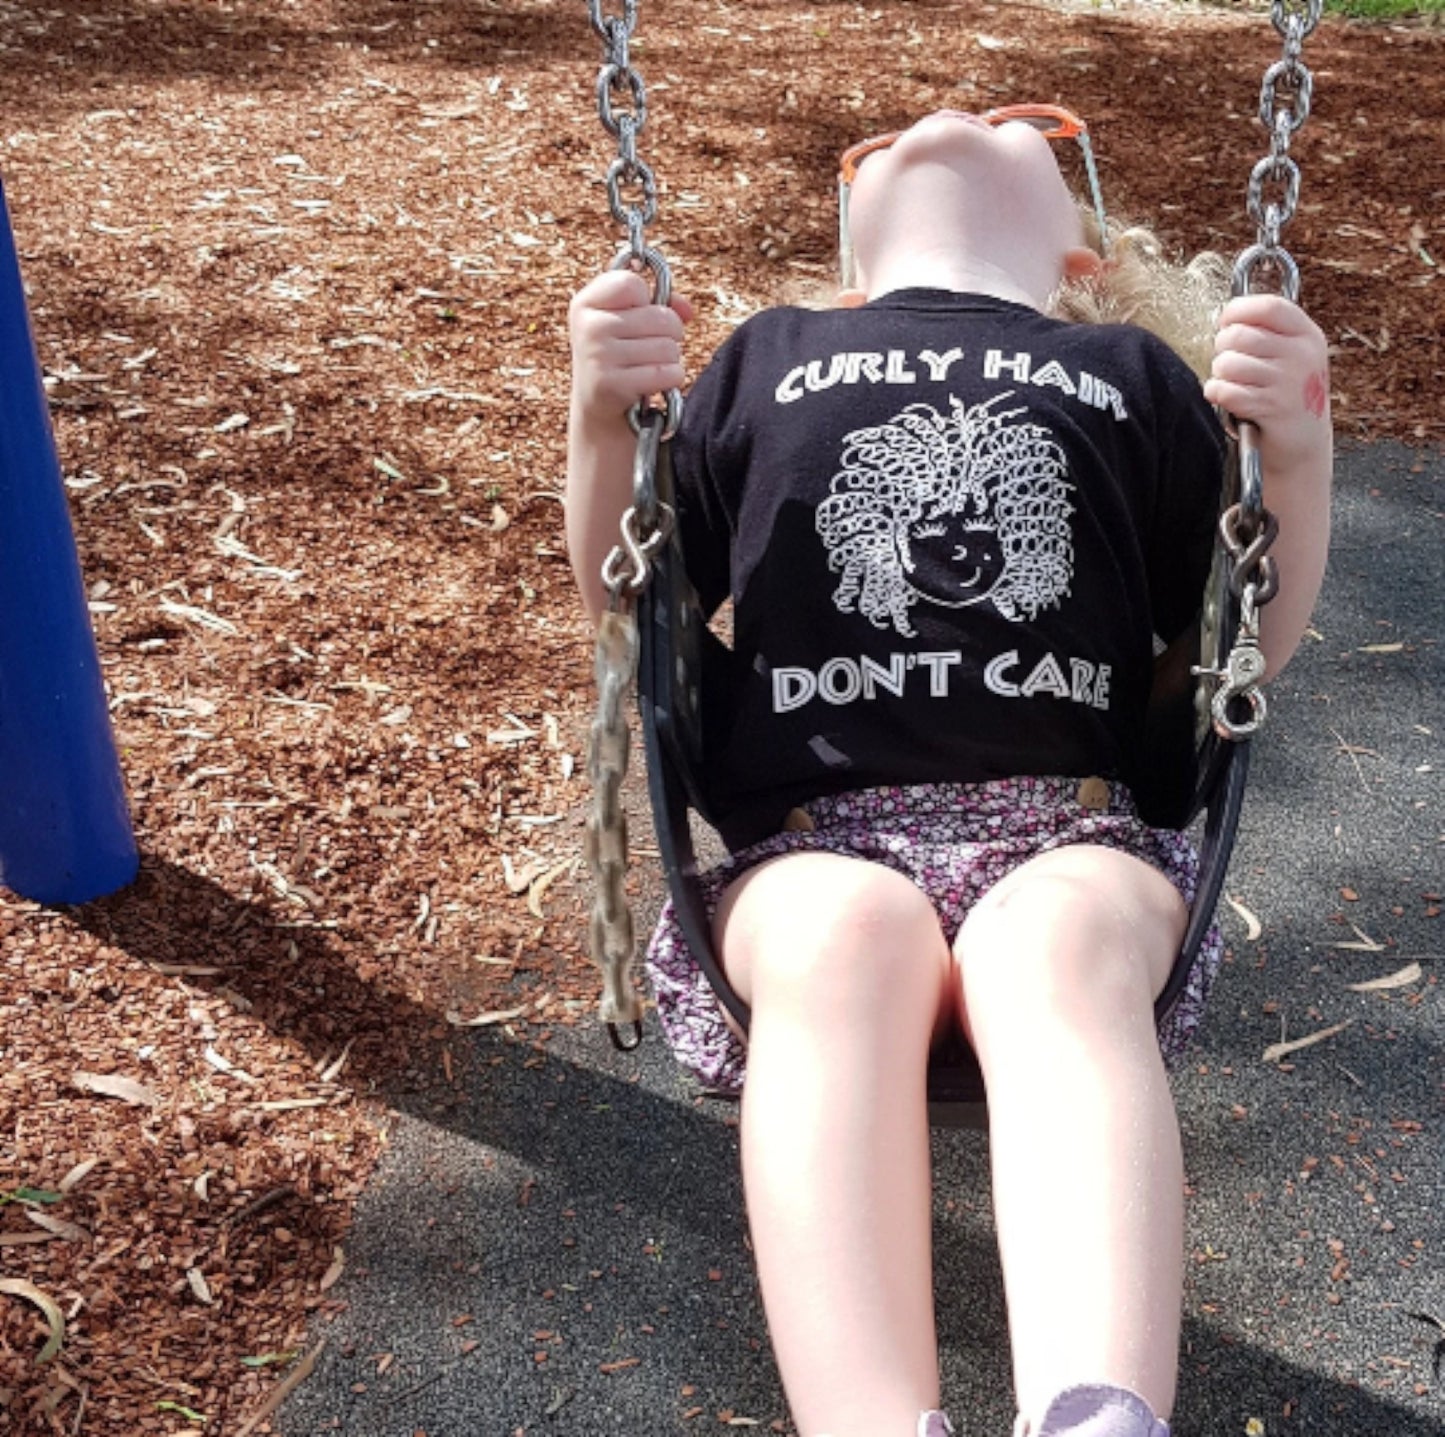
[{"x": 1052, "y": 121}]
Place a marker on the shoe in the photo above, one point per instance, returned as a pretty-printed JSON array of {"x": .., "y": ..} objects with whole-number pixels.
[{"x": 1096, "y": 1410}]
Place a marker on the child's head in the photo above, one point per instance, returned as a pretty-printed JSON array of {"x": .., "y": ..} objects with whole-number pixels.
[
  {"x": 981, "y": 203},
  {"x": 968, "y": 192}
]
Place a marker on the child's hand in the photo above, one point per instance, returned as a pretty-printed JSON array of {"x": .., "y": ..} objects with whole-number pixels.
[
  {"x": 624, "y": 347},
  {"x": 1271, "y": 367}
]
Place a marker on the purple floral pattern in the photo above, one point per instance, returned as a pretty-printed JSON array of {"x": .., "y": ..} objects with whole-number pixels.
[{"x": 955, "y": 841}]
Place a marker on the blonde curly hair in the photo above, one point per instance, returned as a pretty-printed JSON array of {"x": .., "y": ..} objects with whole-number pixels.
[{"x": 1141, "y": 283}]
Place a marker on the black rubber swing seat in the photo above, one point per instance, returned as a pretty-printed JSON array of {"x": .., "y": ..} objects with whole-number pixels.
[{"x": 1191, "y": 771}]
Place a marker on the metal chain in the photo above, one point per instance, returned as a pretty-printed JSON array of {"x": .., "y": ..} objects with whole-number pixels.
[
  {"x": 1247, "y": 527},
  {"x": 645, "y": 526},
  {"x": 1284, "y": 106},
  {"x": 610, "y": 931}
]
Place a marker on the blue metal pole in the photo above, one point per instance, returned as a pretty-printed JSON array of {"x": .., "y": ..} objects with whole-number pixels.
[{"x": 65, "y": 834}]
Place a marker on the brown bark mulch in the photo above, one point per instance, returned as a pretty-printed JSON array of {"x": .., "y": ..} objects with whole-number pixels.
[{"x": 298, "y": 272}]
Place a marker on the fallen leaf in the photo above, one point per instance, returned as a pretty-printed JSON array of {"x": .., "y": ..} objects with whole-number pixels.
[
  {"x": 77, "y": 1175},
  {"x": 190, "y": 1414},
  {"x": 332, "y": 1275},
  {"x": 265, "y": 1359},
  {"x": 333, "y": 1071},
  {"x": 485, "y": 1020},
  {"x": 16, "y": 1287},
  {"x": 518, "y": 880},
  {"x": 1410, "y": 973},
  {"x": 113, "y": 1085},
  {"x": 1276, "y": 1051},
  {"x": 31, "y": 1195},
  {"x": 223, "y": 1064},
  {"x": 541, "y": 884},
  {"x": 282, "y": 1390},
  {"x": 520, "y": 734},
  {"x": 69, "y": 1231},
  {"x": 203, "y": 617},
  {"x": 1365, "y": 945},
  {"x": 1253, "y": 927}
]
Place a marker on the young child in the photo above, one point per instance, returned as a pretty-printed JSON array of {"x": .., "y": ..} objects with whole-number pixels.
[{"x": 951, "y": 526}]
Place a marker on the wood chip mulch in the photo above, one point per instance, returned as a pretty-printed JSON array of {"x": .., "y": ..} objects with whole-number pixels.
[{"x": 298, "y": 273}]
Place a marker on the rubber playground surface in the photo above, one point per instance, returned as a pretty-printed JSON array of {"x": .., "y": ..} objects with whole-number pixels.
[{"x": 297, "y": 272}]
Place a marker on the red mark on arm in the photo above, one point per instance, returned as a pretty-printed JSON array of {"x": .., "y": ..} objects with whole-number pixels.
[{"x": 1317, "y": 394}]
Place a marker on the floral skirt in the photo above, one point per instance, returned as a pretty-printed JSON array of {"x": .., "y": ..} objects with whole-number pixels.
[{"x": 955, "y": 841}]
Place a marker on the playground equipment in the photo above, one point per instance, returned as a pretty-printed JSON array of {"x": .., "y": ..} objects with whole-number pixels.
[
  {"x": 1205, "y": 706},
  {"x": 65, "y": 834}
]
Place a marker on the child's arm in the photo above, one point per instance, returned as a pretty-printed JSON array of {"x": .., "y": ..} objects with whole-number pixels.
[
  {"x": 1271, "y": 367},
  {"x": 624, "y": 348}
]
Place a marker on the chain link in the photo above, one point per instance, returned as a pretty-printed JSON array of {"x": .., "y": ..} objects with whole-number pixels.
[
  {"x": 1247, "y": 528},
  {"x": 645, "y": 527},
  {"x": 1274, "y": 184}
]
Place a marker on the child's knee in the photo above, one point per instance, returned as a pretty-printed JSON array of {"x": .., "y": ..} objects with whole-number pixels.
[
  {"x": 1082, "y": 924},
  {"x": 828, "y": 930}
]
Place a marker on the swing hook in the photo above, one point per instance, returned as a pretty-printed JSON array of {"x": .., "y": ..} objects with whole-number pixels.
[
  {"x": 614, "y": 1031},
  {"x": 1241, "y": 675},
  {"x": 1243, "y": 672}
]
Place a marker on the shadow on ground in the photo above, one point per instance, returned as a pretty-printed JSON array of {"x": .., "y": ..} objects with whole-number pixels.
[{"x": 573, "y": 1258}]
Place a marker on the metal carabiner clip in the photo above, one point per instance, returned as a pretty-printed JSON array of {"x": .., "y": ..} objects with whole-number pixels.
[
  {"x": 1225, "y": 726},
  {"x": 1240, "y": 678}
]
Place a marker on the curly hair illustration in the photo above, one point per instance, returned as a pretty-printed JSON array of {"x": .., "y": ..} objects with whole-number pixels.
[{"x": 952, "y": 509}]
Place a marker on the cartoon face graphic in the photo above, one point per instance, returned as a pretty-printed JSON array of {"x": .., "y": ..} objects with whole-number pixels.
[
  {"x": 950, "y": 510},
  {"x": 951, "y": 559}
]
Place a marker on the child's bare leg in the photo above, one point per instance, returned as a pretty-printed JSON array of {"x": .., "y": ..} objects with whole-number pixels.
[
  {"x": 1061, "y": 962},
  {"x": 848, "y": 975}
]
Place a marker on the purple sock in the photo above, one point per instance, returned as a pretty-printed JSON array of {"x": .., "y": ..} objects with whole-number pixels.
[{"x": 1097, "y": 1410}]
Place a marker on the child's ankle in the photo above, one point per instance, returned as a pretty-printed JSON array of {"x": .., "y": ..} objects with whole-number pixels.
[{"x": 1095, "y": 1409}]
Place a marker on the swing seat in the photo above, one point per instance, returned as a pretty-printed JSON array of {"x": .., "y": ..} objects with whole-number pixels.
[{"x": 1189, "y": 769}]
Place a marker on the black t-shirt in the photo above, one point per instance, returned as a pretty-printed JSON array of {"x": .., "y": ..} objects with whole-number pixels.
[{"x": 951, "y": 528}]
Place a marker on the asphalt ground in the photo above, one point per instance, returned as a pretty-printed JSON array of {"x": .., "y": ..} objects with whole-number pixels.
[{"x": 563, "y": 1249}]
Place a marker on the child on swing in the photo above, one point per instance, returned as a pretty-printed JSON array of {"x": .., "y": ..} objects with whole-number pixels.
[{"x": 952, "y": 525}]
